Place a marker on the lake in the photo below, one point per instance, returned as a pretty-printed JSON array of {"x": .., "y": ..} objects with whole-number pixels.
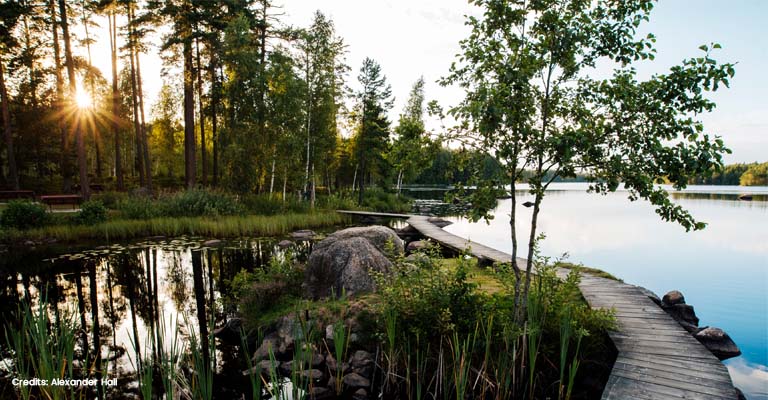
[{"x": 722, "y": 270}]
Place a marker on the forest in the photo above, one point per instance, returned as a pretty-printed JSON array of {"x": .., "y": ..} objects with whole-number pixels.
[{"x": 248, "y": 103}]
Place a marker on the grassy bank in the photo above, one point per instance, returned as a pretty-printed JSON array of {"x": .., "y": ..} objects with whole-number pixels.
[
  {"x": 221, "y": 227},
  {"x": 212, "y": 213}
]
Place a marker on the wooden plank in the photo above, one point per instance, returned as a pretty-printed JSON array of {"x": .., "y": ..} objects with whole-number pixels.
[
  {"x": 684, "y": 373},
  {"x": 668, "y": 382},
  {"x": 664, "y": 362}
]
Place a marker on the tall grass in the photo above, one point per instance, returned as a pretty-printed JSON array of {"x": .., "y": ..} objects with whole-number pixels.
[
  {"x": 232, "y": 226},
  {"x": 43, "y": 350},
  {"x": 254, "y": 371},
  {"x": 201, "y": 384}
]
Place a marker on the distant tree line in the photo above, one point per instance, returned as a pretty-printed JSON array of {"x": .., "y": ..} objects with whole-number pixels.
[{"x": 754, "y": 174}]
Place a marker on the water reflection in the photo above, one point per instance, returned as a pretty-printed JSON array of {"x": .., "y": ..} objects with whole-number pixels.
[
  {"x": 126, "y": 296},
  {"x": 722, "y": 270}
]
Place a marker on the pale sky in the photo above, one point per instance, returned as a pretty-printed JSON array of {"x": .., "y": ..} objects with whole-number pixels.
[{"x": 411, "y": 38}]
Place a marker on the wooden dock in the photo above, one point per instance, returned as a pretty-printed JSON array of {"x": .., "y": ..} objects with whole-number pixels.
[{"x": 657, "y": 358}]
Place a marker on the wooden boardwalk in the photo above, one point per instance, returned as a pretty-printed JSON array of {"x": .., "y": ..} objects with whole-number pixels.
[{"x": 657, "y": 358}]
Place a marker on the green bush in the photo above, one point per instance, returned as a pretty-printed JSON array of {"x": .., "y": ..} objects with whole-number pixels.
[
  {"x": 383, "y": 201},
  {"x": 24, "y": 214},
  {"x": 264, "y": 204},
  {"x": 138, "y": 207},
  {"x": 429, "y": 300},
  {"x": 190, "y": 203},
  {"x": 92, "y": 212},
  {"x": 263, "y": 289},
  {"x": 111, "y": 199},
  {"x": 198, "y": 203}
]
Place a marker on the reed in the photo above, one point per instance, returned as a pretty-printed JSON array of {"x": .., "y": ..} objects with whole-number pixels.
[
  {"x": 230, "y": 226},
  {"x": 254, "y": 371},
  {"x": 43, "y": 350},
  {"x": 144, "y": 370},
  {"x": 201, "y": 384}
]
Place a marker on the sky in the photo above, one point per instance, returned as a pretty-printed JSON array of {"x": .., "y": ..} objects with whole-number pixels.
[{"x": 413, "y": 38}]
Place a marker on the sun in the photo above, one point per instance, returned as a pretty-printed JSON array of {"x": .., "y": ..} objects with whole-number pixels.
[{"x": 83, "y": 100}]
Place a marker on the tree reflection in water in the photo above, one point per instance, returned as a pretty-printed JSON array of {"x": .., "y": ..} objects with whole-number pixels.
[{"x": 125, "y": 293}]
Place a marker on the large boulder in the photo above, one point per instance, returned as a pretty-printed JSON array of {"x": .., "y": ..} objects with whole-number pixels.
[
  {"x": 341, "y": 262},
  {"x": 377, "y": 235},
  {"x": 718, "y": 342}
]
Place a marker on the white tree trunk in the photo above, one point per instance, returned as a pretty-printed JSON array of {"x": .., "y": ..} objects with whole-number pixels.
[
  {"x": 272, "y": 180},
  {"x": 354, "y": 180},
  {"x": 312, "y": 195}
]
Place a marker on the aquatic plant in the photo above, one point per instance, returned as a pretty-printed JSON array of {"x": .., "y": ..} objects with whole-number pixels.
[{"x": 43, "y": 349}]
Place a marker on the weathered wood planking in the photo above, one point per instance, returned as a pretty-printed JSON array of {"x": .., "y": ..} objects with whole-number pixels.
[{"x": 657, "y": 358}]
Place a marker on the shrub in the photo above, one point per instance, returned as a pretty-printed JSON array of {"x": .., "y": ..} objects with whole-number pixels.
[
  {"x": 430, "y": 300},
  {"x": 197, "y": 203},
  {"x": 23, "y": 214},
  {"x": 262, "y": 290},
  {"x": 380, "y": 200},
  {"x": 264, "y": 204},
  {"x": 92, "y": 212},
  {"x": 138, "y": 207},
  {"x": 111, "y": 199}
]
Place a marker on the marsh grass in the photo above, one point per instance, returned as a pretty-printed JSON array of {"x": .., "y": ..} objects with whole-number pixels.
[
  {"x": 42, "y": 349},
  {"x": 254, "y": 371},
  {"x": 201, "y": 360},
  {"x": 230, "y": 226}
]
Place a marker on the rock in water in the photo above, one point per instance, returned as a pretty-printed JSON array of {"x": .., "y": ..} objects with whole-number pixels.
[
  {"x": 284, "y": 244},
  {"x": 673, "y": 297},
  {"x": 342, "y": 261},
  {"x": 674, "y": 304},
  {"x": 718, "y": 342},
  {"x": 212, "y": 243},
  {"x": 303, "y": 235}
]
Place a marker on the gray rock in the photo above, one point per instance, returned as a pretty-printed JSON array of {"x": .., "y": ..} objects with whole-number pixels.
[
  {"x": 355, "y": 381},
  {"x": 362, "y": 363},
  {"x": 341, "y": 263},
  {"x": 284, "y": 244},
  {"x": 321, "y": 393},
  {"x": 317, "y": 360},
  {"x": 303, "y": 235},
  {"x": 361, "y": 358},
  {"x": 330, "y": 361},
  {"x": 718, "y": 342},
  {"x": 416, "y": 246},
  {"x": 272, "y": 342},
  {"x": 673, "y": 297},
  {"x": 684, "y": 315},
  {"x": 315, "y": 375},
  {"x": 360, "y": 394},
  {"x": 377, "y": 235},
  {"x": 212, "y": 243},
  {"x": 263, "y": 367}
]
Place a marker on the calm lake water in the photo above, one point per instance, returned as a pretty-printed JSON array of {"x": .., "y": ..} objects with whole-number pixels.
[
  {"x": 141, "y": 286},
  {"x": 722, "y": 270}
]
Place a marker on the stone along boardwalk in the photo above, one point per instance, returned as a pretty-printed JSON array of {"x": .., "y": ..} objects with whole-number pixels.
[{"x": 657, "y": 358}]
